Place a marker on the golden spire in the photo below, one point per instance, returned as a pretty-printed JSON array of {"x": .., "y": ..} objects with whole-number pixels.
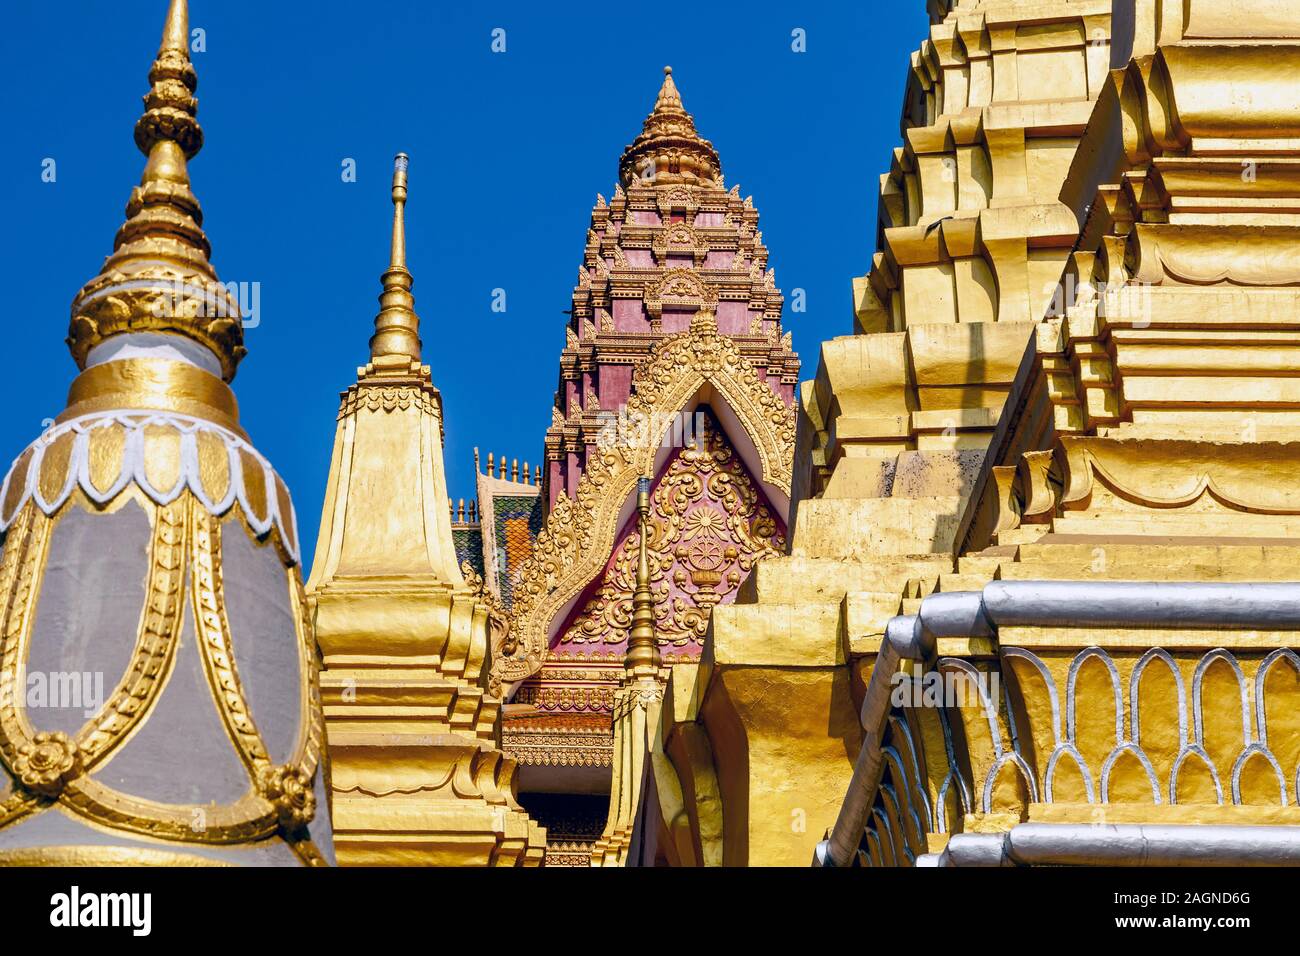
[
  {"x": 397, "y": 327},
  {"x": 223, "y": 772},
  {"x": 158, "y": 278},
  {"x": 643, "y": 658},
  {"x": 669, "y": 151}
]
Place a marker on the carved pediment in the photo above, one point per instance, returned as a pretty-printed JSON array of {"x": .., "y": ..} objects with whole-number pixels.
[{"x": 579, "y": 535}]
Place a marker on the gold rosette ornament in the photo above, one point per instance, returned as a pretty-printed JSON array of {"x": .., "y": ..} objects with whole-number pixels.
[
  {"x": 290, "y": 790},
  {"x": 48, "y": 762}
]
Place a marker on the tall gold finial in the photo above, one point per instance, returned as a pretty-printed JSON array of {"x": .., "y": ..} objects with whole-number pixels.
[
  {"x": 669, "y": 151},
  {"x": 643, "y": 658},
  {"x": 397, "y": 327},
  {"x": 158, "y": 278}
]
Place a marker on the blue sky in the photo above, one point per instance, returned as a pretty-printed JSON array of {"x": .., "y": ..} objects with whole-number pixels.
[{"x": 508, "y": 151}]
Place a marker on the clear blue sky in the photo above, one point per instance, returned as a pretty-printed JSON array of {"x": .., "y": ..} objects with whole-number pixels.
[{"x": 507, "y": 153}]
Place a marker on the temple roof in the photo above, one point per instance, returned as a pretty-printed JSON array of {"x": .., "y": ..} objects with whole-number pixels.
[{"x": 675, "y": 305}]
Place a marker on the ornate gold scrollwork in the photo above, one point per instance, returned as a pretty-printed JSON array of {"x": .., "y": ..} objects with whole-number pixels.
[
  {"x": 20, "y": 571},
  {"x": 214, "y": 642},
  {"x": 500, "y": 637},
  {"x": 51, "y": 767}
]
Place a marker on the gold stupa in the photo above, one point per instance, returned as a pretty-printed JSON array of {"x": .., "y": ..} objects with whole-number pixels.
[{"x": 152, "y": 552}]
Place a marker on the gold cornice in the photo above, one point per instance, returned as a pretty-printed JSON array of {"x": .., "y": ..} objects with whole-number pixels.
[
  {"x": 153, "y": 385},
  {"x": 393, "y": 382},
  {"x": 1163, "y": 476}
]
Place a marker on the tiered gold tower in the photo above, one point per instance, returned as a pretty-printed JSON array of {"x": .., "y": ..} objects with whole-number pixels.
[
  {"x": 418, "y": 774},
  {"x": 150, "y": 550},
  {"x": 1149, "y": 438}
]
